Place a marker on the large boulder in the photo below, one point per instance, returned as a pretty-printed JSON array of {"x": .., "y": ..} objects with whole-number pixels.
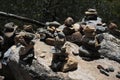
[{"x": 110, "y": 47}]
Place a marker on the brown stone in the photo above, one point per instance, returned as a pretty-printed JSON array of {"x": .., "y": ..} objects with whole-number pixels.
[
  {"x": 50, "y": 41},
  {"x": 71, "y": 64}
]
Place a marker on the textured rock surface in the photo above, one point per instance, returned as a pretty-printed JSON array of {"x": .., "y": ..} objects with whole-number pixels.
[
  {"x": 87, "y": 70},
  {"x": 110, "y": 47},
  {"x": 71, "y": 48}
]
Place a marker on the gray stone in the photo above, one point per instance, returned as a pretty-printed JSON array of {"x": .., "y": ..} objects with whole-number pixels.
[
  {"x": 110, "y": 69},
  {"x": 84, "y": 52},
  {"x": 110, "y": 47},
  {"x": 118, "y": 75},
  {"x": 101, "y": 29},
  {"x": 104, "y": 72}
]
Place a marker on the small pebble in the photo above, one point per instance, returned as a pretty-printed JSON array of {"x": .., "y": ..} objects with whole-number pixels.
[
  {"x": 100, "y": 67},
  {"x": 104, "y": 72},
  {"x": 118, "y": 72},
  {"x": 118, "y": 75},
  {"x": 110, "y": 69},
  {"x": 102, "y": 57}
]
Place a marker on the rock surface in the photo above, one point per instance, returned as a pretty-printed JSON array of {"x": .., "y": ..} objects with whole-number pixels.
[
  {"x": 71, "y": 48},
  {"x": 87, "y": 70},
  {"x": 110, "y": 47}
]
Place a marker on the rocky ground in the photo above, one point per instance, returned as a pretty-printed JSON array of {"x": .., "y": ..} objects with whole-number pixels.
[{"x": 87, "y": 70}]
